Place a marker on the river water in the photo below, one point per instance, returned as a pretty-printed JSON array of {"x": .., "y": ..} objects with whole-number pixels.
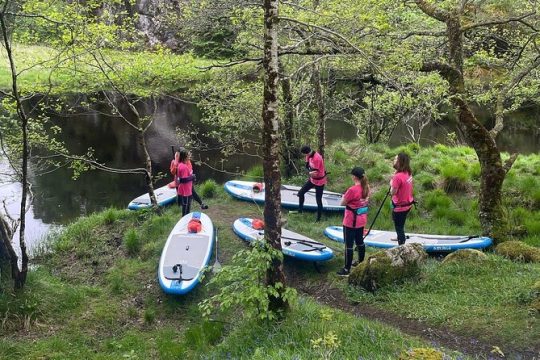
[{"x": 60, "y": 199}]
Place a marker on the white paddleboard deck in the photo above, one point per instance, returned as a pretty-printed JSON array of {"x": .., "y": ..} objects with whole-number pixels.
[
  {"x": 431, "y": 243},
  {"x": 165, "y": 195},
  {"x": 243, "y": 190},
  {"x": 185, "y": 255},
  {"x": 292, "y": 244}
]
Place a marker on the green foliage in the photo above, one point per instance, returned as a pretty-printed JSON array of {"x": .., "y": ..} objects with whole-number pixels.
[
  {"x": 208, "y": 189},
  {"x": 255, "y": 173},
  {"x": 421, "y": 354},
  {"x": 110, "y": 216},
  {"x": 242, "y": 284},
  {"x": 132, "y": 241}
]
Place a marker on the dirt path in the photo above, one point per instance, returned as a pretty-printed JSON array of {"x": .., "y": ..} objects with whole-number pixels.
[{"x": 439, "y": 337}]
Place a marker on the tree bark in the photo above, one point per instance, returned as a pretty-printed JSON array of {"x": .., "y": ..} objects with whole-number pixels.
[
  {"x": 270, "y": 139},
  {"x": 148, "y": 166},
  {"x": 321, "y": 111},
  {"x": 19, "y": 276},
  {"x": 9, "y": 272},
  {"x": 492, "y": 171},
  {"x": 289, "y": 153}
]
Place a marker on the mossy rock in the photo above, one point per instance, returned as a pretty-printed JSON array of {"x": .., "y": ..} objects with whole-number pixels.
[
  {"x": 387, "y": 267},
  {"x": 517, "y": 250},
  {"x": 421, "y": 354},
  {"x": 465, "y": 255}
]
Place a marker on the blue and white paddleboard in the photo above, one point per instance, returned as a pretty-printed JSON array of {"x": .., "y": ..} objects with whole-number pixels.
[
  {"x": 431, "y": 243},
  {"x": 185, "y": 255},
  {"x": 243, "y": 190},
  {"x": 292, "y": 244},
  {"x": 165, "y": 195}
]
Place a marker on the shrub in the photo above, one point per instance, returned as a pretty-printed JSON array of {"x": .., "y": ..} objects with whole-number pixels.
[
  {"x": 255, "y": 173},
  {"x": 517, "y": 250},
  {"x": 208, "y": 189},
  {"x": 132, "y": 241},
  {"x": 422, "y": 354},
  {"x": 436, "y": 199},
  {"x": 340, "y": 157},
  {"x": 532, "y": 226},
  {"x": 426, "y": 181},
  {"x": 110, "y": 216},
  {"x": 455, "y": 176}
]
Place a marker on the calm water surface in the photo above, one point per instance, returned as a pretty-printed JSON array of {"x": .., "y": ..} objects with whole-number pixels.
[{"x": 59, "y": 199}]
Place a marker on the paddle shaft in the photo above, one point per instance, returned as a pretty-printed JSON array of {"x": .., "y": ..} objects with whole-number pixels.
[
  {"x": 172, "y": 149},
  {"x": 378, "y": 211}
]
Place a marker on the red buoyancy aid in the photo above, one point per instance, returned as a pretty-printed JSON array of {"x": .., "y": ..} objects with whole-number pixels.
[
  {"x": 257, "y": 224},
  {"x": 194, "y": 226},
  {"x": 258, "y": 187}
]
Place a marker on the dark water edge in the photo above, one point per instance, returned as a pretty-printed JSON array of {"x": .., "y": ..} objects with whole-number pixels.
[{"x": 59, "y": 199}]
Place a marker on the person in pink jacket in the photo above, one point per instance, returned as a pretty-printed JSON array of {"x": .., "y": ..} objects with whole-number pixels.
[
  {"x": 355, "y": 201},
  {"x": 401, "y": 189},
  {"x": 184, "y": 182},
  {"x": 317, "y": 179},
  {"x": 174, "y": 166}
]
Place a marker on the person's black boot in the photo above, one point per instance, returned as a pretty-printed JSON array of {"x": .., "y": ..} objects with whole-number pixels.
[
  {"x": 343, "y": 272},
  {"x": 204, "y": 206}
]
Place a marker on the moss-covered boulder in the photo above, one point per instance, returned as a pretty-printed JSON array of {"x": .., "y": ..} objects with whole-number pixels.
[
  {"x": 389, "y": 266},
  {"x": 517, "y": 250},
  {"x": 464, "y": 255}
]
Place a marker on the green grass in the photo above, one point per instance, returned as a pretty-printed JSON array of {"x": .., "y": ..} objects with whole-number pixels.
[
  {"x": 480, "y": 300},
  {"x": 145, "y": 72},
  {"x": 93, "y": 298}
]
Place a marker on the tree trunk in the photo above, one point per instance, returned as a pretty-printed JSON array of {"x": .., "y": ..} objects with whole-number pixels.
[
  {"x": 289, "y": 153},
  {"x": 9, "y": 268},
  {"x": 270, "y": 139},
  {"x": 148, "y": 166},
  {"x": 321, "y": 111},
  {"x": 492, "y": 172},
  {"x": 19, "y": 277}
]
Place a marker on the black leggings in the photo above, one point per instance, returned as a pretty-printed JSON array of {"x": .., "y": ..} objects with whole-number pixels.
[
  {"x": 319, "y": 189},
  {"x": 196, "y": 196},
  {"x": 185, "y": 203},
  {"x": 399, "y": 223},
  {"x": 353, "y": 236}
]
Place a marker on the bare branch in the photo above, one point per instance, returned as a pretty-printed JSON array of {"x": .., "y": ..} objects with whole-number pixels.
[
  {"x": 423, "y": 33},
  {"x": 501, "y": 97},
  {"x": 500, "y": 22},
  {"x": 510, "y": 162}
]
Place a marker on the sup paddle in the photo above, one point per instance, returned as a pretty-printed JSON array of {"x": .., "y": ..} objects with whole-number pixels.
[
  {"x": 217, "y": 266},
  {"x": 378, "y": 212}
]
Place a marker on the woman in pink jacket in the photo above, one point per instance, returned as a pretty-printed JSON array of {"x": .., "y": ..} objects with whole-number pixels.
[
  {"x": 401, "y": 189},
  {"x": 355, "y": 200}
]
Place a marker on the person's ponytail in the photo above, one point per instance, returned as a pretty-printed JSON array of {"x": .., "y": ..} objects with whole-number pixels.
[{"x": 365, "y": 186}]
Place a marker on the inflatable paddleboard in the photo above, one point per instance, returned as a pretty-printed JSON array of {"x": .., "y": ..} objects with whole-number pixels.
[
  {"x": 165, "y": 195},
  {"x": 431, "y": 243},
  {"x": 186, "y": 253},
  {"x": 292, "y": 244},
  {"x": 243, "y": 190}
]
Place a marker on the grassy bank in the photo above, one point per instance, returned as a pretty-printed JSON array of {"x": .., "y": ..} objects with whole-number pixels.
[
  {"x": 95, "y": 295},
  {"x": 43, "y": 69}
]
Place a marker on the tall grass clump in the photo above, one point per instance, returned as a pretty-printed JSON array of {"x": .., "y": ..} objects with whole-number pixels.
[
  {"x": 436, "y": 199},
  {"x": 454, "y": 176},
  {"x": 208, "y": 189},
  {"x": 110, "y": 216},
  {"x": 132, "y": 241},
  {"x": 256, "y": 173}
]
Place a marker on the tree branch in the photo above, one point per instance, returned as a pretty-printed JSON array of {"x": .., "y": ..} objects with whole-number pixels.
[
  {"x": 500, "y": 22},
  {"x": 432, "y": 10}
]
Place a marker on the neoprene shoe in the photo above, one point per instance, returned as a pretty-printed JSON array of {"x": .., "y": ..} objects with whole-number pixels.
[
  {"x": 204, "y": 206},
  {"x": 343, "y": 272}
]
